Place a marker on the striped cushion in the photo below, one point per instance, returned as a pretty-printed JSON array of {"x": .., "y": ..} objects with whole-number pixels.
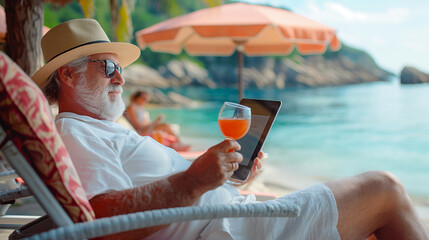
[{"x": 24, "y": 112}]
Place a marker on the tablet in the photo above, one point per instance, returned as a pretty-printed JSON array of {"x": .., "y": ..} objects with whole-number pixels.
[{"x": 263, "y": 114}]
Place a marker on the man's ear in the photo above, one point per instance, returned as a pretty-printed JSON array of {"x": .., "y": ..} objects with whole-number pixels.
[{"x": 65, "y": 74}]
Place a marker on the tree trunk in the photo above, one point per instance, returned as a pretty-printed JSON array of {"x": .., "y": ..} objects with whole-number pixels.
[
  {"x": 114, "y": 19},
  {"x": 24, "y": 21}
]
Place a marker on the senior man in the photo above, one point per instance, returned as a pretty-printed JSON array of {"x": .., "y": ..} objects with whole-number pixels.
[{"x": 123, "y": 172}]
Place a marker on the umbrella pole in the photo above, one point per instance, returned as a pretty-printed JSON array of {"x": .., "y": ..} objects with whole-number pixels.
[{"x": 240, "y": 79}]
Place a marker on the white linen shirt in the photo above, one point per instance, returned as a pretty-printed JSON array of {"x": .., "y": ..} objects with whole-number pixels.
[{"x": 108, "y": 156}]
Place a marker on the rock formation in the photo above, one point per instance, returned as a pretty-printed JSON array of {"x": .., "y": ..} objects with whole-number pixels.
[
  {"x": 141, "y": 75},
  {"x": 259, "y": 72},
  {"x": 411, "y": 75},
  {"x": 183, "y": 72}
]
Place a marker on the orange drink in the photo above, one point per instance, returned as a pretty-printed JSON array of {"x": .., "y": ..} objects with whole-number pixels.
[
  {"x": 234, "y": 122},
  {"x": 157, "y": 135},
  {"x": 234, "y": 128}
]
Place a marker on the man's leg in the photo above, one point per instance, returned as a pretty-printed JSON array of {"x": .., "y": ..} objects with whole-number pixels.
[{"x": 375, "y": 202}]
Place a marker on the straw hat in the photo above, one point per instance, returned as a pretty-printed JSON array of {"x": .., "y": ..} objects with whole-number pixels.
[{"x": 78, "y": 38}]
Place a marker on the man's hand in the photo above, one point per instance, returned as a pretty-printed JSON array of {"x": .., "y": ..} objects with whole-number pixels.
[
  {"x": 215, "y": 166},
  {"x": 256, "y": 169}
]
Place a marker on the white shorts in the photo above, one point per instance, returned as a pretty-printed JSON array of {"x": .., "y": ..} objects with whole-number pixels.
[{"x": 318, "y": 220}]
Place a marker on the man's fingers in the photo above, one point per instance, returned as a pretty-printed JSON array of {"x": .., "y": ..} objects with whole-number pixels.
[
  {"x": 234, "y": 166},
  {"x": 228, "y": 145},
  {"x": 258, "y": 163},
  {"x": 261, "y": 155},
  {"x": 233, "y": 157},
  {"x": 231, "y": 166}
]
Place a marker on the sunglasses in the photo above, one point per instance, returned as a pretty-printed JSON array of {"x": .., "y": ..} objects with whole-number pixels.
[{"x": 109, "y": 67}]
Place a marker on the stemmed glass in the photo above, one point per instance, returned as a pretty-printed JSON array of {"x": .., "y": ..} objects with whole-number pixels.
[{"x": 234, "y": 120}]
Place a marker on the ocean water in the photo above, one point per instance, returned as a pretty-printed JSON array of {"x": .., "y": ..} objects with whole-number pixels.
[{"x": 330, "y": 132}]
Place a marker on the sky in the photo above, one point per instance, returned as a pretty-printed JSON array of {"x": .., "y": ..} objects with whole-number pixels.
[{"x": 394, "y": 32}]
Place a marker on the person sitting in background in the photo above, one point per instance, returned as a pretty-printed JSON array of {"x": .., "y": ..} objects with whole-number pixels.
[{"x": 139, "y": 118}]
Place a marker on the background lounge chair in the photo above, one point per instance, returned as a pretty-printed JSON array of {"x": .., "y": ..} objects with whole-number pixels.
[
  {"x": 10, "y": 190},
  {"x": 31, "y": 145}
]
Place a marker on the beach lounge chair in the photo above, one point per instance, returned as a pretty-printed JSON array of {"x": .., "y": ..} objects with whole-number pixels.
[
  {"x": 10, "y": 190},
  {"x": 31, "y": 145}
]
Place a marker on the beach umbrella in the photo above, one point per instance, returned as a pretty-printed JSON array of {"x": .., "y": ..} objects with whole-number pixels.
[{"x": 254, "y": 30}]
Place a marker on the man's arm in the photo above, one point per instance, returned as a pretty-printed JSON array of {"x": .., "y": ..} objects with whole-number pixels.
[
  {"x": 175, "y": 191},
  {"x": 207, "y": 172}
]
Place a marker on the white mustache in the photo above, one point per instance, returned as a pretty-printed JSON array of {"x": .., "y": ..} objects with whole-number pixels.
[
  {"x": 113, "y": 88},
  {"x": 97, "y": 100}
]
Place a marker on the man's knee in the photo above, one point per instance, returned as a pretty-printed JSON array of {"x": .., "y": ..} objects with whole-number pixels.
[
  {"x": 383, "y": 180},
  {"x": 377, "y": 187},
  {"x": 386, "y": 185}
]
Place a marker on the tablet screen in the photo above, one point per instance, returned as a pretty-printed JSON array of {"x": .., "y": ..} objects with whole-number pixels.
[
  {"x": 251, "y": 140},
  {"x": 263, "y": 115}
]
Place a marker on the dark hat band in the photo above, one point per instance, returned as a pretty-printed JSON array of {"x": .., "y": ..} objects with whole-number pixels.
[{"x": 99, "y": 41}]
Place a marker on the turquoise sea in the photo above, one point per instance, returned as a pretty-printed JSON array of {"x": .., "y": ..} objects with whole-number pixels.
[{"x": 329, "y": 132}]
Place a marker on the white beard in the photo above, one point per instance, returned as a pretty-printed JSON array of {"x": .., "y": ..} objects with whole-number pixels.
[{"x": 97, "y": 101}]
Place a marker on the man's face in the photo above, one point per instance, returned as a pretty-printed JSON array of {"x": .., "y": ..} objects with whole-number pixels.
[{"x": 98, "y": 93}]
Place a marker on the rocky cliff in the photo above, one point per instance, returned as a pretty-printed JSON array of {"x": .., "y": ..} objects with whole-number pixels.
[
  {"x": 312, "y": 71},
  {"x": 348, "y": 66},
  {"x": 411, "y": 75}
]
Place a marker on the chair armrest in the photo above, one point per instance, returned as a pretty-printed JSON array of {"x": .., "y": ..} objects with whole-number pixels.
[
  {"x": 10, "y": 195},
  {"x": 8, "y": 175},
  {"x": 133, "y": 221}
]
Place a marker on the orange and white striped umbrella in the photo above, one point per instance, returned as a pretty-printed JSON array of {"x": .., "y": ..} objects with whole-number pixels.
[{"x": 254, "y": 30}]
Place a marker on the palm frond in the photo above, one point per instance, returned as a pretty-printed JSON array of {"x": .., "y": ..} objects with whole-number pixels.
[
  {"x": 87, "y": 8},
  {"x": 213, "y": 3},
  {"x": 124, "y": 29},
  {"x": 114, "y": 18}
]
